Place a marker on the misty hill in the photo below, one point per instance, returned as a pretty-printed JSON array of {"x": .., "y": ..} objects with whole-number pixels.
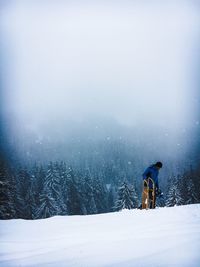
[
  {"x": 162, "y": 237},
  {"x": 95, "y": 142}
]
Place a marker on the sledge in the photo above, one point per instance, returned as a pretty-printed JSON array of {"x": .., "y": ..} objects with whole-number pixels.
[{"x": 148, "y": 194}]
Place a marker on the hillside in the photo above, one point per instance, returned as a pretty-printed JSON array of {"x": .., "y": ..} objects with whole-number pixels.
[{"x": 155, "y": 238}]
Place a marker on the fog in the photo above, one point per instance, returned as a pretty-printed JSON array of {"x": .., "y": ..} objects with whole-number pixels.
[{"x": 109, "y": 68}]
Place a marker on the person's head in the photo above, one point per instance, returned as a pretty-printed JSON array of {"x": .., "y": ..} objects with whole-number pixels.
[{"x": 158, "y": 165}]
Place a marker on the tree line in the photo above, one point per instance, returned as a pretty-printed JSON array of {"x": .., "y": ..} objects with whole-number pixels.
[{"x": 42, "y": 191}]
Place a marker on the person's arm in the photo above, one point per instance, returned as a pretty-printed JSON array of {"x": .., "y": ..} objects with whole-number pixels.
[
  {"x": 156, "y": 181},
  {"x": 157, "y": 184}
]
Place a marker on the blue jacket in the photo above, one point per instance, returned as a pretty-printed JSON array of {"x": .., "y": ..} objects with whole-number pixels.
[{"x": 152, "y": 172}]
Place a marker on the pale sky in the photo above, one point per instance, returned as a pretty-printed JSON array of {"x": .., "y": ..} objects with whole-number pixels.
[{"x": 129, "y": 60}]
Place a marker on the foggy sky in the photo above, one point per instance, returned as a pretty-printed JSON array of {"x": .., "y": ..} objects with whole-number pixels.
[{"x": 129, "y": 60}]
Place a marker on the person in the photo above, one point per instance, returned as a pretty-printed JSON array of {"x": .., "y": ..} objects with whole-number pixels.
[{"x": 151, "y": 185}]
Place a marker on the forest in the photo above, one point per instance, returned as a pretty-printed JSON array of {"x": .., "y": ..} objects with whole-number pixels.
[{"x": 42, "y": 191}]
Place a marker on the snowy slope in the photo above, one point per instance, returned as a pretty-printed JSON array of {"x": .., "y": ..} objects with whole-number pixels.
[{"x": 154, "y": 238}]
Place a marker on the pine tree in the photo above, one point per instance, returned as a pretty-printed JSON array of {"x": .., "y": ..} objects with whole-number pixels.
[
  {"x": 174, "y": 197},
  {"x": 60, "y": 171},
  {"x": 100, "y": 196},
  {"x": 196, "y": 181},
  {"x": 80, "y": 189},
  {"x": 89, "y": 199},
  {"x": 6, "y": 192},
  {"x": 192, "y": 197},
  {"x": 188, "y": 187},
  {"x": 63, "y": 171},
  {"x": 12, "y": 195},
  {"x": 125, "y": 198},
  {"x": 110, "y": 199},
  {"x": 52, "y": 188},
  {"x": 23, "y": 195},
  {"x": 38, "y": 176},
  {"x": 135, "y": 196},
  {"x": 47, "y": 206},
  {"x": 74, "y": 206}
]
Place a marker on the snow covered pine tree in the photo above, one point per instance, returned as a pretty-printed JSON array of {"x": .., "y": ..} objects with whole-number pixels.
[{"x": 125, "y": 198}]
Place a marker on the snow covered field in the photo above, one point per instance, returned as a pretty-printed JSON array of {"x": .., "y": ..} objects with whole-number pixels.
[{"x": 155, "y": 238}]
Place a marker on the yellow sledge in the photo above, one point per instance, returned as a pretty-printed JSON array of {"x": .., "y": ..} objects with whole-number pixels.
[{"x": 148, "y": 194}]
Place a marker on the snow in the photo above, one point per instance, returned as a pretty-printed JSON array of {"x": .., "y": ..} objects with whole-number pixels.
[{"x": 142, "y": 238}]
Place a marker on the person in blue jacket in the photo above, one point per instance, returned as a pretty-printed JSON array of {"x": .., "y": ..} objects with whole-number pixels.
[{"x": 151, "y": 172}]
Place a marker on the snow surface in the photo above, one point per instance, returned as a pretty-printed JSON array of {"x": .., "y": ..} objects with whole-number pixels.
[{"x": 137, "y": 238}]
